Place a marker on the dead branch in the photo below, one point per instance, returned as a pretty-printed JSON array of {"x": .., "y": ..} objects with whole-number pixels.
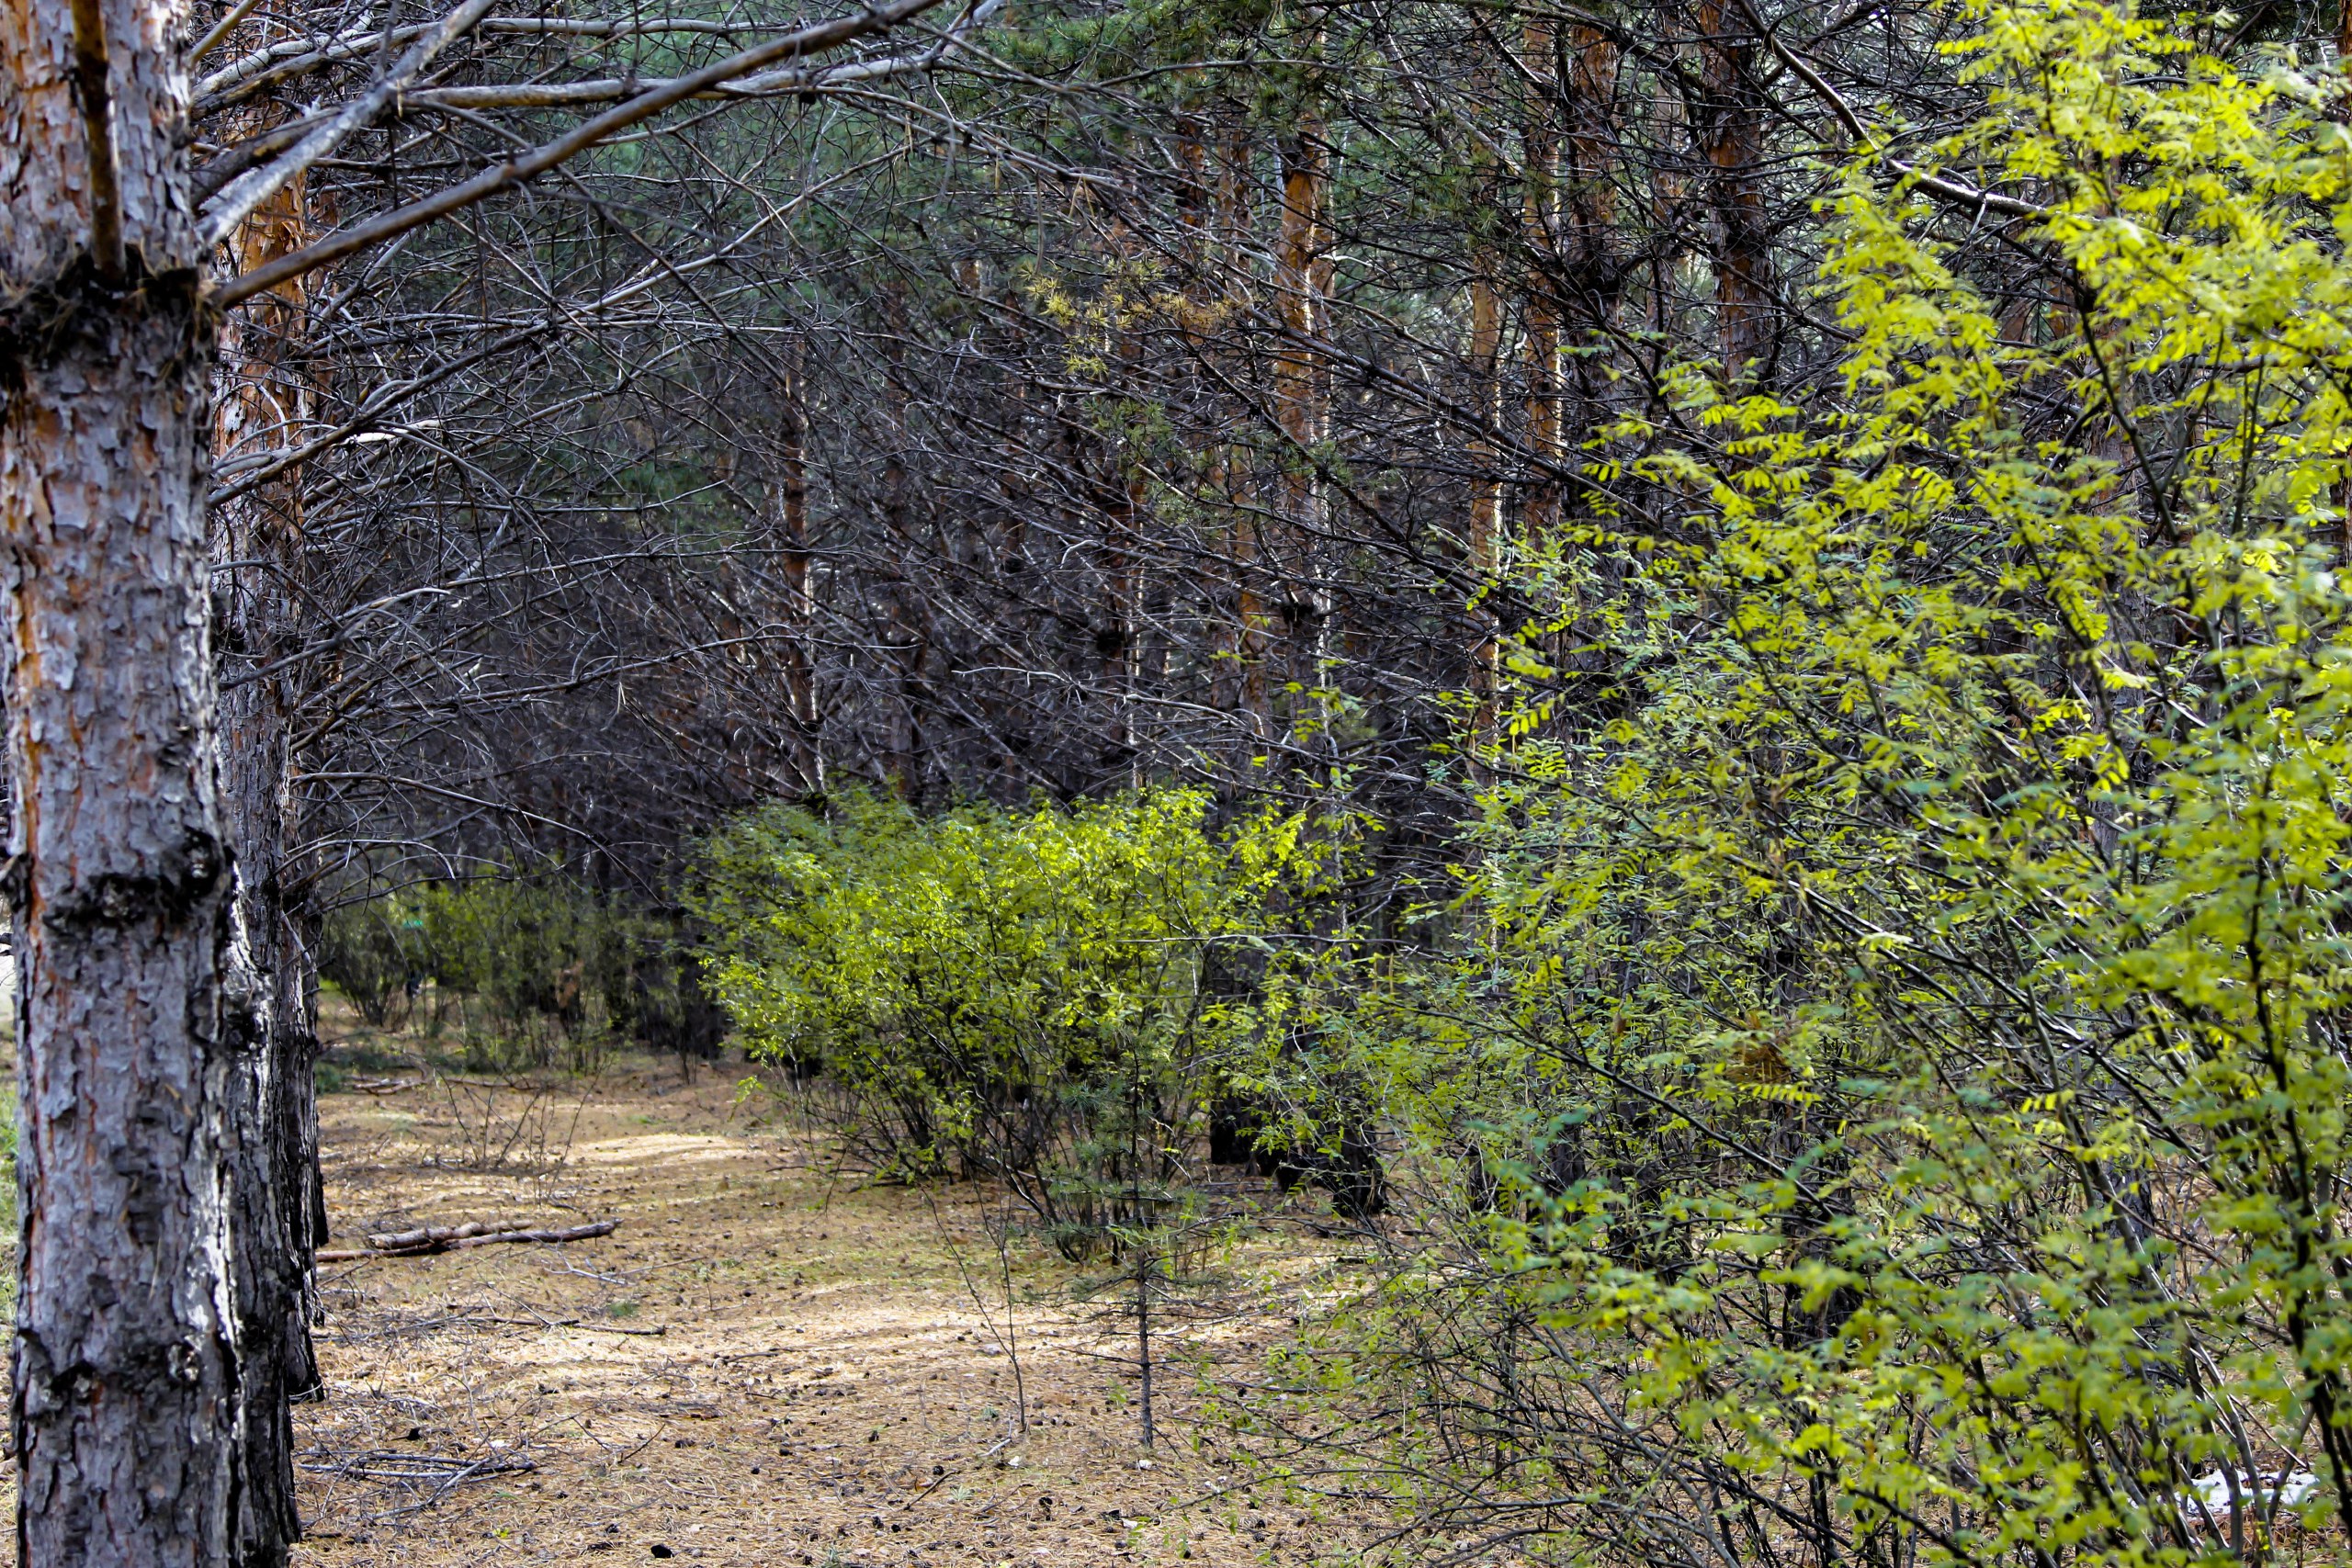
[{"x": 448, "y": 1238}]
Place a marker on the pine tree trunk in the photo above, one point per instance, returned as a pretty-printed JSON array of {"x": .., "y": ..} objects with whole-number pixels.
[
  {"x": 125, "y": 1396},
  {"x": 1540, "y": 206},
  {"x": 1590, "y": 266},
  {"x": 277, "y": 1206},
  {"x": 1485, "y": 488},
  {"x": 1730, "y": 120},
  {"x": 799, "y": 602},
  {"x": 1302, "y": 272},
  {"x": 1243, "y": 647}
]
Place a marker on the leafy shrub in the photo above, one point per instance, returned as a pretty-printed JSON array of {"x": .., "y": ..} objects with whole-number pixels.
[
  {"x": 527, "y": 967},
  {"x": 375, "y": 952},
  {"x": 534, "y": 953},
  {"x": 1883, "y": 1100},
  {"x": 1021, "y": 995}
]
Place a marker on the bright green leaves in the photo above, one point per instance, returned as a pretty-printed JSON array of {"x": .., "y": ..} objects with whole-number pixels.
[
  {"x": 1027, "y": 994},
  {"x": 1899, "y": 1066}
]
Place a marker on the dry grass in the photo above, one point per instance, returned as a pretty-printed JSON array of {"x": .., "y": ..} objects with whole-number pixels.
[{"x": 768, "y": 1364}]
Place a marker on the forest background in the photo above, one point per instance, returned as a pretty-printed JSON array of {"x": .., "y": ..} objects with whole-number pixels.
[{"x": 1691, "y": 652}]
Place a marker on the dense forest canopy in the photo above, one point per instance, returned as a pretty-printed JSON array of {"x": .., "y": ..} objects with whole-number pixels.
[{"x": 1690, "y": 652}]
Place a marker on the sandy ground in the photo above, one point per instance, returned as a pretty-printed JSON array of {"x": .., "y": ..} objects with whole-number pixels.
[{"x": 768, "y": 1363}]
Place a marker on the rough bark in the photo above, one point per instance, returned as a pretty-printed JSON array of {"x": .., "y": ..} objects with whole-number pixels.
[
  {"x": 125, "y": 1390},
  {"x": 277, "y": 1205},
  {"x": 271, "y": 1157}
]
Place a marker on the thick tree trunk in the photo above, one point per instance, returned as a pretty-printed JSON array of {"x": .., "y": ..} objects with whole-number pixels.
[{"x": 125, "y": 1400}]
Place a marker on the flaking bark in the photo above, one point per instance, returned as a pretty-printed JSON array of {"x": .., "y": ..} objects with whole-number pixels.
[{"x": 125, "y": 1401}]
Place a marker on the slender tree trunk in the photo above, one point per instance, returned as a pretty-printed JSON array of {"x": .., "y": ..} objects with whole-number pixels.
[
  {"x": 1539, "y": 202},
  {"x": 1486, "y": 488},
  {"x": 1247, "y": 647},
  {"x": 271, "y": 1160},
  {"x": 1301, "y": 273},
  {"x": 1730, "y": 127},
  {"x": 277, "y": 1204},
  {"x": 1589, "y": 268},
  {"x": 125, "y": 1399},
  {"x": 799, "y": 604},
  {"x": 1123, "y": 501},
  {"x": 277, "y": 1208},
  {"x": 909, "y": 633},
  {"x": 1204, "y": 207},
  {"x": 1589, "y": 213},
  {"x": 1120, "y": 642},
  {"x": 1144, "y": 1265},
  {"x": 1485, "y": 492},
  {"x": 1484, "y": 448},
  {"x": 909, "y": 654}
]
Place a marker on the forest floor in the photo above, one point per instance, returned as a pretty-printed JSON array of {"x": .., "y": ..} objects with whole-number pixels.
[{"x": 768, "y": 1362}]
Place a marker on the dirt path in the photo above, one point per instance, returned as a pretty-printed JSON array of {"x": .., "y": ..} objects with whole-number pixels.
[{"x": 765, "y": 1365}]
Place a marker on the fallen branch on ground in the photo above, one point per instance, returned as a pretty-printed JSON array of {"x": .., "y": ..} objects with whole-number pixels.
[
  {"x": 384, "y": 1086},
  {"x": 445, "y": 1473},
  {"x": 391, "y": 1465},
  {"x": 446, "y": 1238},
  {"x": 655, "y": 1332}
]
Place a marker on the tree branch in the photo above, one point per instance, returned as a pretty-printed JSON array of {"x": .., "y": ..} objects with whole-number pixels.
[
  {"x": 246, "y": 194},
  {"x": 521, "y": 170}
]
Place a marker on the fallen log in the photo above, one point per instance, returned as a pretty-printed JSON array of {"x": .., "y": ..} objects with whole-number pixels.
[{"x": 449, "y": 1238}]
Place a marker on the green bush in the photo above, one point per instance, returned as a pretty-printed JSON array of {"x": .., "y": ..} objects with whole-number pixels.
[
  {"x": 527, "y": 967},
  {"x": 534, "y": 953},
  {"x": 1883, "y": 1100},
  {"x": 375, "y": 954},
  {"x": 1016, "y": 994}
]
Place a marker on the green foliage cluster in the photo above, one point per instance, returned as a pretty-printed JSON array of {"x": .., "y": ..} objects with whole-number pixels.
[
  {"x": 1887, "y": 1094},
  {"x": 1033, "y": 996},
  {"x": 527, "y": 970}
]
